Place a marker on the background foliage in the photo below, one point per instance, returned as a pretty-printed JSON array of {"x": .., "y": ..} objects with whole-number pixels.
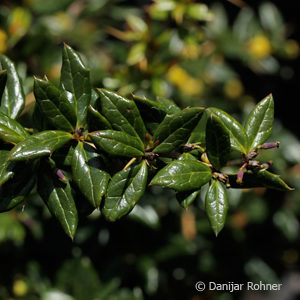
[{"x": 216, "y": 55}]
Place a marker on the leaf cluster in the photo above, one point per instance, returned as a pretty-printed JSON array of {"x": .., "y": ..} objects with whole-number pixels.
[{"x": 94, "y": 149}]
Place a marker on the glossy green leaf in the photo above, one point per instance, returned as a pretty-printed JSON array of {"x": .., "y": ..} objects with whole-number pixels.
[
  {"x": 13, "y": 191},
  {"x": 150, "y": 110},
  {"x": 6, "y": 168},
  {"x": 10, "y": 130},
  {"x": 174, "y": 130},
  {"x": 183, "y": 175},
  {"x": 260, "y": 122},
  {"x": 40, "y": 144},
  {"x": 186, "y": 156},
  {"x": 117, "y": 143},
  {"x": 54, "y": 105},
  {"x": 90, "y": 179},
  {"x": 217, "y": 142},
  {"x": 3, "y": 78},
  {"x": 96, "y": 121},
  {"x": 185, "y": 199},
  {"x": 238, "y": 136},
  {"x": 198, "y": 134},
  {"x": 216, "y": 205},
  {"x": 122, "y": 113},
  {"x": 260, "y": 178},
  {"x": 59, "y": 199},
  {"x": 169, "y": 105},
  {"x": 13, "y": 98},
  {"x": 75, "y": 81},
  {"x": 124, "y": 191}
]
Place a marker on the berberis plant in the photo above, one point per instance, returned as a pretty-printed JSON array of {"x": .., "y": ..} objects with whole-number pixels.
[{"x": 94, "y": 149}]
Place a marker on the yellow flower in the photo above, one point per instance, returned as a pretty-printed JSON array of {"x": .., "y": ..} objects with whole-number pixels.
[
  {"x": 233, "y": 88},
  {"x": 259, "y": 46},
  {"x": 184, "y": 81},
  {"x": 20, "y": 288},
  {"x": 3, "y": 39}
]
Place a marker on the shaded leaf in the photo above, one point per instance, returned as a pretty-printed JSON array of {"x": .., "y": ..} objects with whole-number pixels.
[
  {"x": 54, "y": 105},
  {"x": 217, "y": 142},
  {"x": 198, "y": 134},
  {"x": 59, "y": 200},
  {"x": 150, "y": 110},
  {"x": 238, "y": 136},
  {"x": 122, "y": 113},
  {"x": 124, "y": 191},
  {"x": 96, "y": 121},
  {"x": 13, "y": 191},
  {"x": 216, "y": 205},
  {"x": 170, "y": 106},
  {"x": 3, "y": 78},
  {"x": 91, "y": 180},
  {"x": 117, "y": 143},
  {"x": 260, "y": 122},
  {"x": 260, "y": 178},
  {"x": 75, "y": 80},
  {"x": 185, "y": 199},
  {"x": 13, "y": 98},
  {"x": 6, "y": 168},
  {"x": 175, "y": 129},
  {"x": 10, "y": 130},
  {"x": 183, "y": 175},
  {"x": 40, "y": 144}
]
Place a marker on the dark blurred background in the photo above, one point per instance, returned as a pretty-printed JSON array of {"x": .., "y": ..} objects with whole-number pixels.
[{"x": 224, "y": 54}]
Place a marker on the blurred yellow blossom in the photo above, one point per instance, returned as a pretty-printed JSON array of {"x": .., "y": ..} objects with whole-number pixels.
[
  {"x": 19, "y": 288},
  {"x": 3, "y": 40},
  {"x": 259, "y": 46},
  {"x": 184, "y": 81},
  {"x": 233, "y": 88}
]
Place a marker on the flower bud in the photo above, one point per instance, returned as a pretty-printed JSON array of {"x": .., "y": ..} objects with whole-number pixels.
[
  {"x": 61, "y": 176},
  {"x": 240, "y": 176},
  {"x": 270, "y": 145}
]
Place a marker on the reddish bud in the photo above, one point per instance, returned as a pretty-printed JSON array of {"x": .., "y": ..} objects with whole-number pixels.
[
  {"x": 240, "y": 176},
  {"x": 61, "y": 176},
  {"x": 270, "y": 145}
]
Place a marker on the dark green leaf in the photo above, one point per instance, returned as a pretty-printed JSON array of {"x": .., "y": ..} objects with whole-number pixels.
[
  {"x": 185, "y": 199},
  {"x": 122, "y": 113},
  {"x": 183, "y": 175},
  {"x": 54, "y": 105},
  {"x": 198, "y": 134},
  {"x": 186, "y": 156},
  {"x": 151, "y": 111},
  {"x": 117, "y": 143},
  {"x": 96, "y": 121},
  {"x": 75, "y": 80},
  {"x": 10, "y": 130},
  {"x": 124, "y": 191},
  {"x": 238, "y": 136},
  {"x": 13, "y": 99},
  {"x": 13, "y": 191},
  {"x": 216, "y": 205},
  {"x": 170, "y": 106},
  {"x": 260, "y": 178},
  {"x": 175, "y": 129},
  {"x": 260, "y": 122},
  {"x": 6, "y": 168},
  {"x": 3, "y": 78},
  {"x": 217, "y": 142},
  {"x": 91, "y": 180},
  {"x": 39, "y": 144},
  {"x": 59, "y": 199}
]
